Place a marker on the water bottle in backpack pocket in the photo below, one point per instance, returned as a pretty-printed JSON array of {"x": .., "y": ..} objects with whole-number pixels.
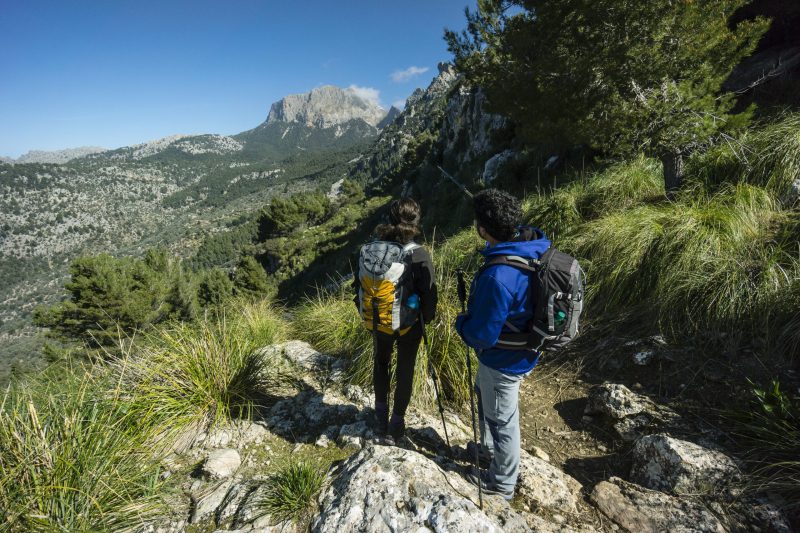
[{"x": 556, "y": 290}]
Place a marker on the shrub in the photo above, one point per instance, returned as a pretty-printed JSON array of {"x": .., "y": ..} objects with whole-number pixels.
[
  {"x": 770, "y": 428},
  {"x": 616, "y": 188},
  {"x": 710, "y": 261}
]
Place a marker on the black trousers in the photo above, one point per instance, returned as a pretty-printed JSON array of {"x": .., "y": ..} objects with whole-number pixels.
[{"x": 407, "y": 346}]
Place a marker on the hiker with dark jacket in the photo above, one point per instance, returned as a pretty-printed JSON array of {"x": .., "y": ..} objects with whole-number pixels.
[
  {"x": 402, "y": 228},
  {"x": 499, "y": 303}
]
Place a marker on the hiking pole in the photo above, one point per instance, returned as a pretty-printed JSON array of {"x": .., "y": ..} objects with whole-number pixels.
[
  {"x": 435, "y": 379},
  {"x": 462, "y": 295},
  {"x": 458, "y": 183}
]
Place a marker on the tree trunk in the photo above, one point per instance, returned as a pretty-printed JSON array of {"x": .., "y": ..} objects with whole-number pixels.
[{"x": 673, "y": 171}]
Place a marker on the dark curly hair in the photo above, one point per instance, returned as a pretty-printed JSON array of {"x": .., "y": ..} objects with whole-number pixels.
[
  {"x": 403, "y": 226},
  {"x": 498, "y": 212}
]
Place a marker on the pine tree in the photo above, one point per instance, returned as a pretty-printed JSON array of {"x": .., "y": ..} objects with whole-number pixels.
[
  {"x": 215, "y": 287},
  {"x": 624, "y": 76},
  {"x": 251, "y": 279}
]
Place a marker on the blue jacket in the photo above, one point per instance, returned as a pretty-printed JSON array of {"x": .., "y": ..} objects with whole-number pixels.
[{"x": 498, "y": 295}]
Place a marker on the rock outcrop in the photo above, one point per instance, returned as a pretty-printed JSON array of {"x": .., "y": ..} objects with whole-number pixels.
[
  {"x": 664, "y": 463},
  {"x": 325, "y": 107},
  {"x": 391, "y": 489},
  {"x": 640, "y": 510},
  {"x": 631, "y": 415}
]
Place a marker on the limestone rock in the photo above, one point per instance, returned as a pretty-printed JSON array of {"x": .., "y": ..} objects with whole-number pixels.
[
  {"x": 630, "y": 414},
  {"x": 468, "y": 124},
  {"x": 249, "y": 510},
  {"x": 207, "y": 501},
  {"x": 494, "y": 164},
  {"x": 640, "y": 510},
  {"x": 57, "y": 156},
  {"x": 615, "y": 401},
  {"x": 309, "y": 413},
  {"x": 327, "y": 106},
  {"x": 541, "y": 485},
  {"x": 382, "y": 488},
  {"x": 237, "y": 494},
  {"x": 221, "y": 463},
  {"x": 664, "y": 463},
  {"x": 324, "y": 369},
  {"x": 235, "y": 434}
]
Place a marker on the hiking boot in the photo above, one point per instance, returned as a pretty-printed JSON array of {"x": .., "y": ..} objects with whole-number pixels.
[
  {"x": 487, "y": 483},
  {"x": 381, "y": 420},
  {"x": 397, "y": 428},
  {"x": 485, "y": 455}
]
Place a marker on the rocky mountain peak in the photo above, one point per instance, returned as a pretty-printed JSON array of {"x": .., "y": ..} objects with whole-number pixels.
[{"x": 326, "y": 106}]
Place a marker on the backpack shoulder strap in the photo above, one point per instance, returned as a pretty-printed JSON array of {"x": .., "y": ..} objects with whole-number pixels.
[{"x": 515, "y": 261}]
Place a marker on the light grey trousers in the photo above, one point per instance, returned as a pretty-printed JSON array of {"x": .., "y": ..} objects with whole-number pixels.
[{"x": 498, "y": 409}]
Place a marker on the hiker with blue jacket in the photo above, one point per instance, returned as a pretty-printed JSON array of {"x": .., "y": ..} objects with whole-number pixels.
[{"x": 499, "y": 303}]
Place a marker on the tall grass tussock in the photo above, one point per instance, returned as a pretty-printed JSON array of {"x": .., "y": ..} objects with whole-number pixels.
[
  {"x": 74, "y": 456},
  {"x": 209, "y": 371}
]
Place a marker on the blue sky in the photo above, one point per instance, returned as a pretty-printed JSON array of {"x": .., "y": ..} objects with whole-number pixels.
[{"x": 115, "y": 73}]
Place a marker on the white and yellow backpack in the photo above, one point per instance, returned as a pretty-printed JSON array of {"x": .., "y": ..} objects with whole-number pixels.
[{"x": 384, "y": 271}]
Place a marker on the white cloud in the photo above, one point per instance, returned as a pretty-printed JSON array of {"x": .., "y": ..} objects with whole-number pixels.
[
  {"x": 401, "y": 76},
  {"x": 370, "y": 94},
  {"x": 399, "y": 104}
]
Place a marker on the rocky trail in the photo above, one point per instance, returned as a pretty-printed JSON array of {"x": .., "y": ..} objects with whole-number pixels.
[{"x": 596, "y": 457}]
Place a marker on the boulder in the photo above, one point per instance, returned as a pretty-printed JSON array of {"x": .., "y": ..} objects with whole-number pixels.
[
  {"x": 631, "y": 415},
  {"x": 661, "y": 462},
  {"x": 386, "y": 488},
  {"x": 221, "y": 463},
  {"x": 543, "y": 486},
  {"x": 494, "y": 165},
  {"x": 640, "y": 510},
  {"x": 615, "y": 401},
  {"x": 324, "y": 369}
]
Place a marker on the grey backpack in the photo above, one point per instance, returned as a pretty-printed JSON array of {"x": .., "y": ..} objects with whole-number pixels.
[{"x": 557, "y": 289}]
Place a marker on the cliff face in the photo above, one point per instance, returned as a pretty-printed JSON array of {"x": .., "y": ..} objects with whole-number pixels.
[{"x": 325, "y": 107}]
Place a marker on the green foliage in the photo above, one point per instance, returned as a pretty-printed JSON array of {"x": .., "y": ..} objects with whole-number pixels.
[
  {"x": 724, "y": 258},
  {"x": 285, "y": 215},
  {"x": 616, "y": 188},
  {"x": 770, "y": 427},
  {"x": 110, "y": 297},
  {"x": 292, "y": 492},
  {"x": 224, "y": 249},
  {"x": 73, "y": 456},
  {"x": 250, "y": 279},
  {"x": 215, "y": 287},
  {"x": 351, "y": 191},
  {"x": 767, "y": 155},
  {"x": 206, "y": 372},
  {"x": 625, "y": 76}
]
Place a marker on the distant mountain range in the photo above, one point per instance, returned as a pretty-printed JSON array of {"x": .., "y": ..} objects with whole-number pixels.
[
  {"x": 322, "y": 117},
  {"x": 56, "y": 156}
]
